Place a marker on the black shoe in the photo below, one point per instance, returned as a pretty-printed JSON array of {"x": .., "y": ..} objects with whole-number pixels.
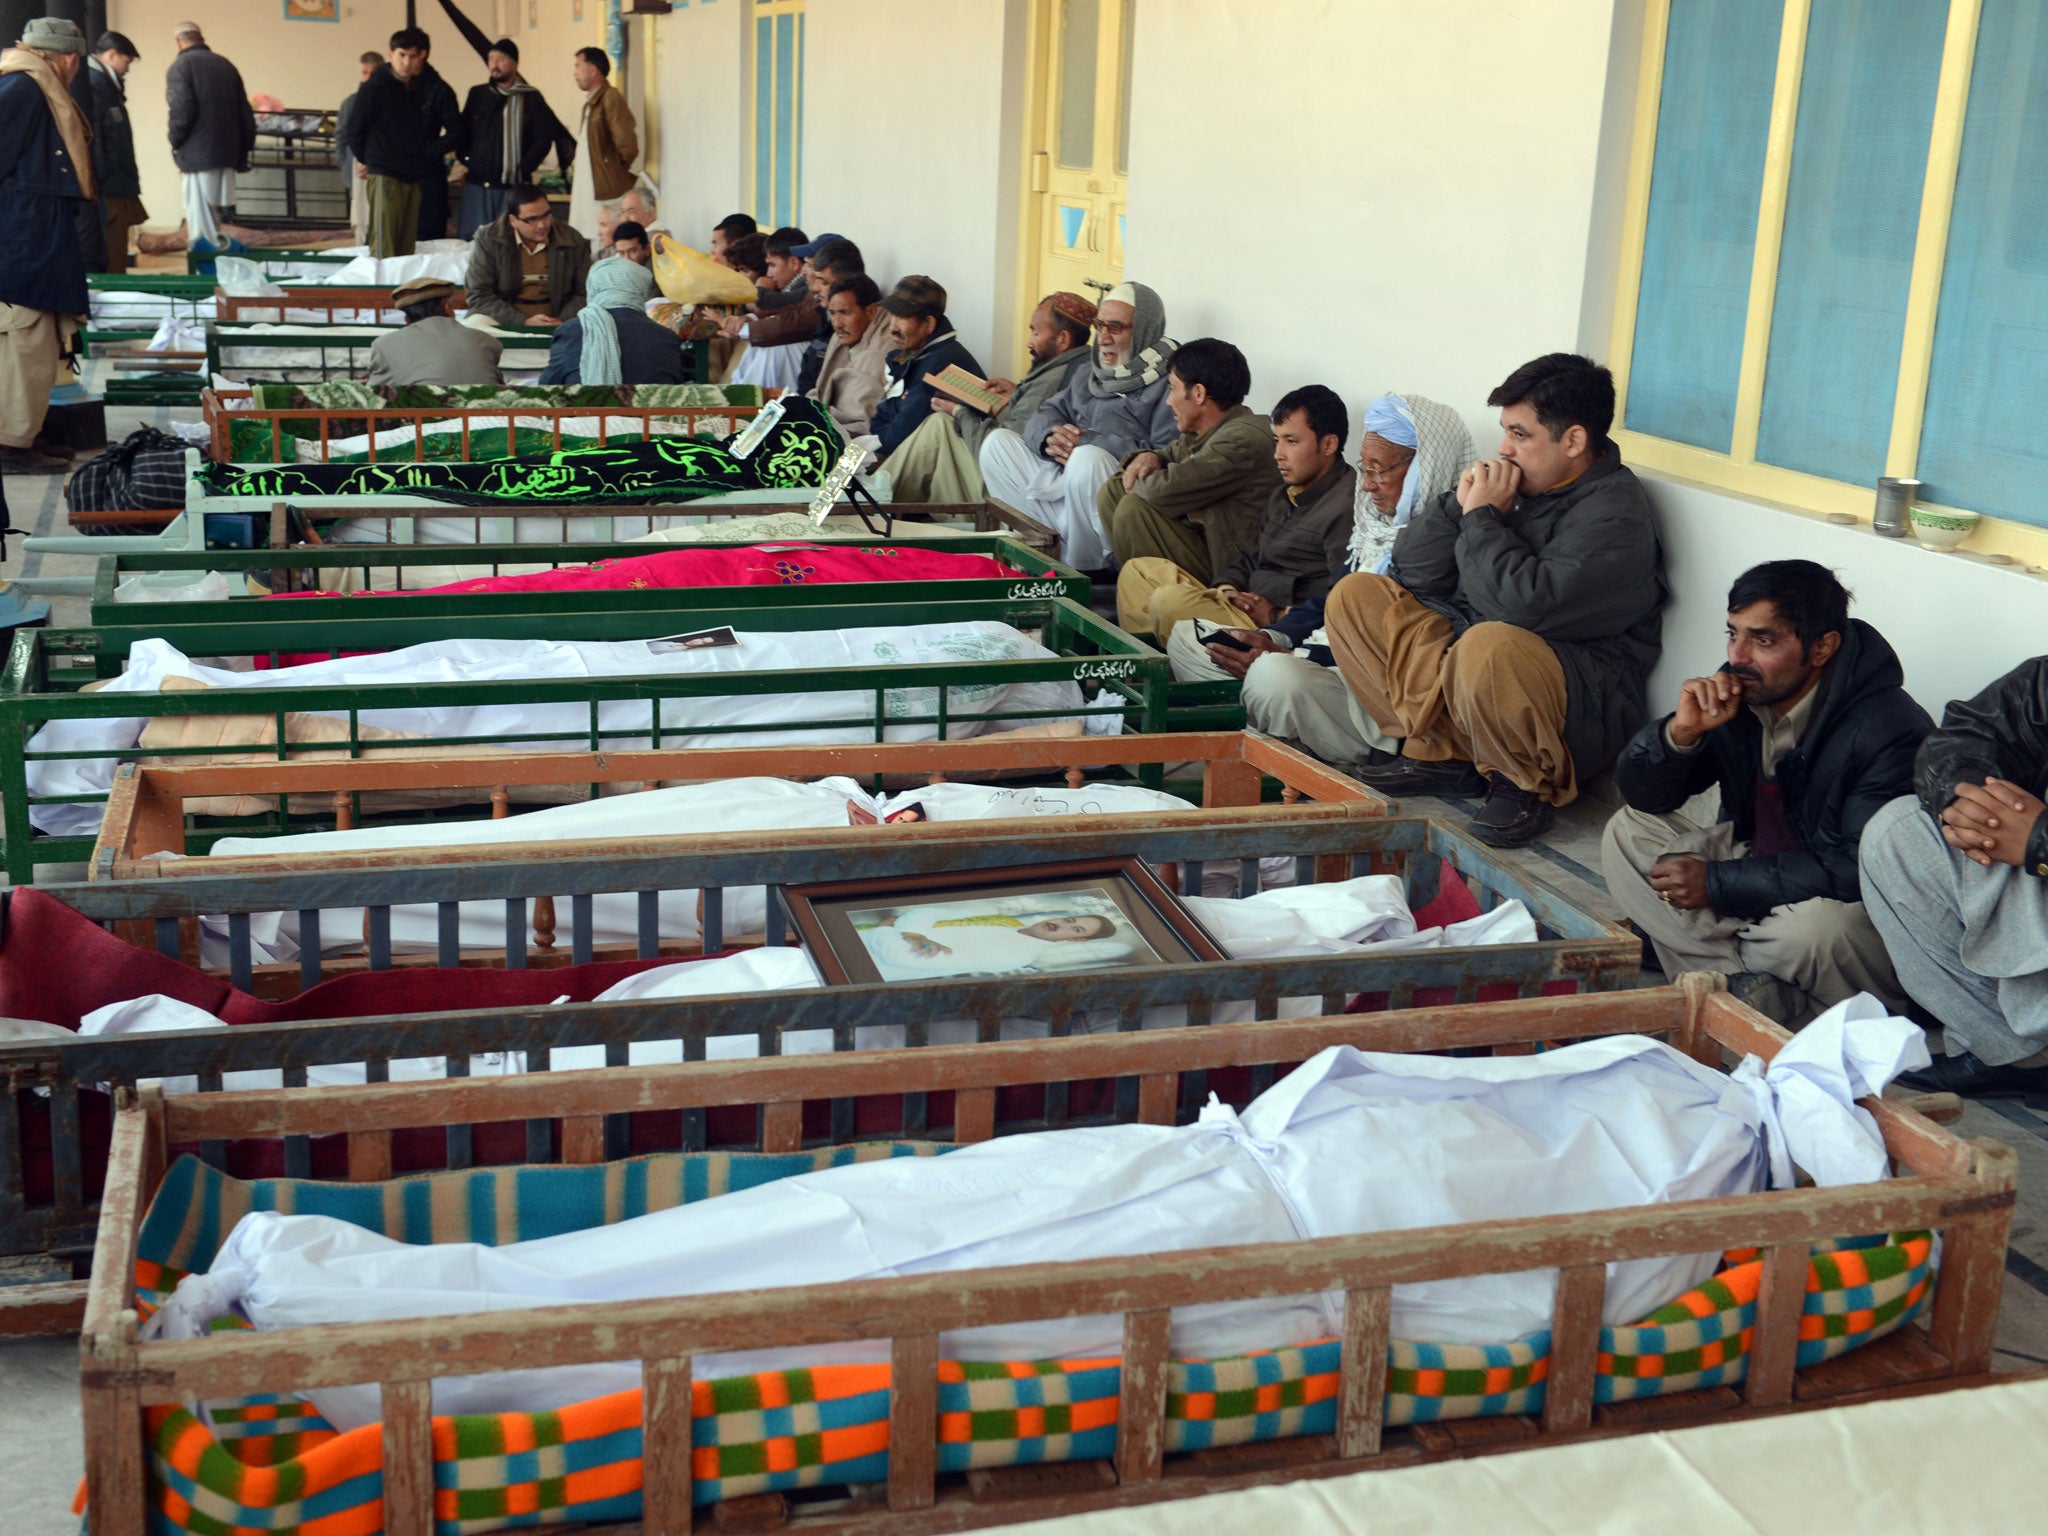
[
  {"x": 31, "y": 461},
  {"x": 1410, "y": 776},
  {"x": 1974, "y": 1079},
  {"x": 1511, "y": 817}
]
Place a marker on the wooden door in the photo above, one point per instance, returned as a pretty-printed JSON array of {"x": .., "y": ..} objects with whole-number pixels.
[{"x": 1080, "y": 161}]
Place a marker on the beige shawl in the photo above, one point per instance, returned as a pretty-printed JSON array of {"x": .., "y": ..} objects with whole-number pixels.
[{"x": 70, "y": 121}]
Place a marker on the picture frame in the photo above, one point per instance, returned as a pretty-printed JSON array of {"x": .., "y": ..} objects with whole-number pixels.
[
  {"x": 532, "y": 14},
  {"x": 1030, "y": 919},
  {"x": 313, "y": 10}
]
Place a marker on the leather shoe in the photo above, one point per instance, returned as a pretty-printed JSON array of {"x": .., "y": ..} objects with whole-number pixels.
[
  {"x": 1411, "y": 776},
  {"x": 1511, "y": 817},
  {"x": 43, "y": 445},
  {"x": 1974, "y": 1079},
  {"x": 31, "y": 461}
]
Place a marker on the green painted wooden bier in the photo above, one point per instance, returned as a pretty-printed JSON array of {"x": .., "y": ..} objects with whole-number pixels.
[{"x": 48, "y": 668}]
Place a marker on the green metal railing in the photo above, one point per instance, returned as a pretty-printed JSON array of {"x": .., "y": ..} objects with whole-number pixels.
[{"x": 47, "y": 669}]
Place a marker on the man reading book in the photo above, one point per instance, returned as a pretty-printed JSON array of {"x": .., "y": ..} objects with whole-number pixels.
[{"x": 940, "y": 461}]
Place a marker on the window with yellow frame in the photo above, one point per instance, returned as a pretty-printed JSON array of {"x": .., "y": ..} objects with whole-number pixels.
[
  {"x": 778, "y": 112},
  {"x": 1836, "y": 254}
]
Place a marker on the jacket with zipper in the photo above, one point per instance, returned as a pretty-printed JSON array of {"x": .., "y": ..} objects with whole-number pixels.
[
  {"x": 1855, "y": 754},
  {"x": 495, "y": 278},
  {"x": 2002, "y": 733}
]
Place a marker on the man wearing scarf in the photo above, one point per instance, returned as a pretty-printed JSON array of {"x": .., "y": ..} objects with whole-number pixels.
[
  {"x": 611, "y": 341},
  {"x": 45, "y": 178},
  {"x": 508, "y": 129},
  {"x": 1057, "y": 464},
  {"x": 915, "y": 312},
  {"x": 941, "y": 460},
  {"x": 1511, "y": 642},
  {"x": 1414, "y": 450}
]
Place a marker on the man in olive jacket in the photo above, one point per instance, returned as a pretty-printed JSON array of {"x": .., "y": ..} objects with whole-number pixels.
[
  {"x": 1806, "y": 731},
  {"x": 1197, "y": 503},
  {"x": 526, "y": 267},
  {"x": 1511, "y": 644}
]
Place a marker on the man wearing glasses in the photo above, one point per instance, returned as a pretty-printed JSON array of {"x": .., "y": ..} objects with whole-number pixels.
[{"x": 526, "y": 267}]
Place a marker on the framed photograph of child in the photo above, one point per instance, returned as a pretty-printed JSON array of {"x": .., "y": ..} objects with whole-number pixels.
[{"x": 1038, "y": 919}]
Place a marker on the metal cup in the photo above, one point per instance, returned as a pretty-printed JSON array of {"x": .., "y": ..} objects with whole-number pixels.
[{"x": 1895, "y": 499}]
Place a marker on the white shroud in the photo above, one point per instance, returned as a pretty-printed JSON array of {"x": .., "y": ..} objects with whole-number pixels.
[
  {"x": 456, "y": 661},
  {"x": 1347, "y": 1143}
]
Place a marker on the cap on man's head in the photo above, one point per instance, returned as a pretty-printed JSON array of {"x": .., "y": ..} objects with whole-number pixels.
[
  {"x": 507, "y": 47},
  {"x": 53, "y": 34},
  {"x": 423, "y": 290},
  {"x": 811, "y": 248},
  {"x": 1071, "y": 306},
  {"x": 916, "y": 295},
  {"x": 116, "y": 42},
  {"x": 188, "y": 29}
]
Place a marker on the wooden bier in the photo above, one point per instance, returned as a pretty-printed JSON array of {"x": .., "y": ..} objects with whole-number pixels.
[{"x": 1963, "y": 1189}]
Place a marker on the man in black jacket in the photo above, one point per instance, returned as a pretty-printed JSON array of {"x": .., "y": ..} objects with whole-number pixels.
[
  {"x": 1807, "y": 730},
  {"x": 507, "y": 130},
  {"x": 1511, "y": 644},
  {"x": 113, "y": 148},
  {"x": 392, "y": 134},
  {"x": 212, "y": 129},
  {"x": 444, "y": 122},
  {"x": 1957, "y": 883}
]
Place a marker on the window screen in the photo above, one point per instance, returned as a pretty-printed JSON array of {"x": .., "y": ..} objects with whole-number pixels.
[
  {"x": 1852, "y": 213},
  {"x": 1713, "y": 118}
]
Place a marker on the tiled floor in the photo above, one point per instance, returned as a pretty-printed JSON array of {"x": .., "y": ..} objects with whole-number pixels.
[{"x": 40, "y": 1456}]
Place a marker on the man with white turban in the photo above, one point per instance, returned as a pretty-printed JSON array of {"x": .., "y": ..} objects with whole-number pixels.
[
  {"x": 1414, "y": 450},
  {"x": 1077, "y": 440}
]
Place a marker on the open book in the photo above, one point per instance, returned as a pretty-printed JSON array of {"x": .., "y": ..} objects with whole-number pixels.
[{"x": 963, "y": 386}]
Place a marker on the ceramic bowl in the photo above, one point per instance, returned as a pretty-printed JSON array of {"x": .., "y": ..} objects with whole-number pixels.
[{"x": 1942, "y": 530}]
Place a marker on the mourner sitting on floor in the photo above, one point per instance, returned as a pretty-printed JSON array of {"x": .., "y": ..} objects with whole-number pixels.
[
  {"x": 1957, "y": 883},
  {"x": 1295, "y": 555},
  {"x": 1510, "y": 646},
  {"x": 1806, "y": 731},
  {"x": 434, "y": 347}
]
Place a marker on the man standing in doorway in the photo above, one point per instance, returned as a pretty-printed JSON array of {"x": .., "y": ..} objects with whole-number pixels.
[
  {"x": 508, "y": 129},
  {"x": 113, "y": 146},
  {"x": 212, "y": 132},
  {"x": 392, "y": 138},
  {"x": 45, "y": 178},
  {"x": 608, "y": 144}
]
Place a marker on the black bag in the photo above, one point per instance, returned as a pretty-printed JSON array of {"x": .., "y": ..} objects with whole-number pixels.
[{"x": 144, "y": 472}]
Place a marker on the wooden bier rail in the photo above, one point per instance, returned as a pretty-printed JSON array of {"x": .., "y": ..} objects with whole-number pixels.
[{"x": 1963, "y": 1189}]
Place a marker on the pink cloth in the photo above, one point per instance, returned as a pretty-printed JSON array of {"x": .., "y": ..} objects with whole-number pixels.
[{"x": 763, "y": 565}]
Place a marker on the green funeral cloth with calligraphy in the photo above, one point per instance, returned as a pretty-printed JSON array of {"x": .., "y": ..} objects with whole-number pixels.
[{"x": 796, "y": 454}]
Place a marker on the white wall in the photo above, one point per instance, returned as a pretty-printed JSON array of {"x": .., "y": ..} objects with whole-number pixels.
[
  {"x": 906, "y": 151},
  {"x": 699, "y": 54},
  {"x": 313, "y": 64},
  {"x": 1956, "y": 622},
  {"x": 1369, "y": 194}
]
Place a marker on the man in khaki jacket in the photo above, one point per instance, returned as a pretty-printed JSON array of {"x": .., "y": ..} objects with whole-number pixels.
[
  {"x": 607, "y": 143},
  {"x": 1197, "y": 503}
]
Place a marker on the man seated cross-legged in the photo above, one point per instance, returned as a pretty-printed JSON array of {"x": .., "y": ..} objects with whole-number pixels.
[
  {"x": 1806, "y": 731},
  {"x": 1957, "y": 882},
  {"x": 1187, "y": 511},
  {"x": 1294, "y": 556},
  {"x": 1510, "y": 645},
  {"x": 1053, "y": 464}
]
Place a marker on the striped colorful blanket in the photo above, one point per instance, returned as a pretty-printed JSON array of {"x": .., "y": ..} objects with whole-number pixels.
[{"x": 272, "y": 1464}]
